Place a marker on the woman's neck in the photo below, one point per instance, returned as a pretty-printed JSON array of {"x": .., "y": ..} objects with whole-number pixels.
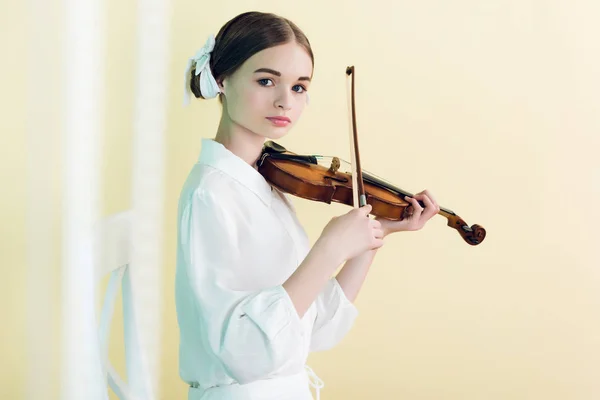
[{"x": 240, "y": 141}]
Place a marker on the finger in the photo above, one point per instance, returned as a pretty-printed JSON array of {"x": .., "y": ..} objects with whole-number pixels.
[
  {"x": 435, "y": 203},
  {"x": 428, "y": 194},
  {"x": 361, "y": 210},
  {"x": 366, "y": 209},
  {"x": 377, "y": 243},
  {"x": 378, "y": 233},
  {"x": 410, "y": 209},
  {"x": 430, "y": 208},
  {"x": 375, "y": 223},
  {"x": 415, "y": 203},
  {"x": 426, "y": 200}
]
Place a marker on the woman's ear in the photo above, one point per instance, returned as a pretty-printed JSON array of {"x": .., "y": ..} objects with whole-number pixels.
[{"x": 221, "y": 84}]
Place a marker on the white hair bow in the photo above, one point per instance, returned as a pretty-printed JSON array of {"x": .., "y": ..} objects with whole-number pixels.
[{"x": 208, "y": 84}]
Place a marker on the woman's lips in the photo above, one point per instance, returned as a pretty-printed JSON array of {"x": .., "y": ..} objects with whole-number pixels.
[{"x": 279, "y": 121}]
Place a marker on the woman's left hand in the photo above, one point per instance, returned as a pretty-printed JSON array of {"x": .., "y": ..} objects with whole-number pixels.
[{"x": 418, "y": 216}]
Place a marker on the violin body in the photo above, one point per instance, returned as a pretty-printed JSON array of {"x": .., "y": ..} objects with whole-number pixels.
[{"x": 303, "y": 176}]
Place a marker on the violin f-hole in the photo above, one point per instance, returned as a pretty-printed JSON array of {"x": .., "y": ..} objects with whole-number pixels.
[{"x": 337, "y": 179}]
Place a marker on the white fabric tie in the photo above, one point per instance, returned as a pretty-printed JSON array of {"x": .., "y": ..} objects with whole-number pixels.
[
  {"x": 314, "y": 381},
  {"x": 208, "y": 84}
]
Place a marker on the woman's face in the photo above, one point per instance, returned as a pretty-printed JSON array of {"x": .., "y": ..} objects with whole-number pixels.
[{"x": 271, "y": 83}]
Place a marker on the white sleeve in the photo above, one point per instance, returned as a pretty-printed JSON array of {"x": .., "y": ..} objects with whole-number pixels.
[
  {"x": 335, "y": 317},
  {"x": 253, "y": 333}
]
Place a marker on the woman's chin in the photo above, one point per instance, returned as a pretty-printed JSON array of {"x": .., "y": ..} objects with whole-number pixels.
[{"x": 275, "y": 133}]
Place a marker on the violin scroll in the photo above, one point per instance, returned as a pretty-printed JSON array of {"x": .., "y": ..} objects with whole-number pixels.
[{"x": 473, "y": 235}]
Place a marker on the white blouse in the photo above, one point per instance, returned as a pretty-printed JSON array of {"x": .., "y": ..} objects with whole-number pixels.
[{"x": 238, "y": 242}]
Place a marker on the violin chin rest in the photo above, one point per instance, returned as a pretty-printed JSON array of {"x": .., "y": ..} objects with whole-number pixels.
[{"x": 274, "y": 147}]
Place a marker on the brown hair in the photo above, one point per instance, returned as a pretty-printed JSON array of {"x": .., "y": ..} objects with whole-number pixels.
[{"x": 245, "y": 35}]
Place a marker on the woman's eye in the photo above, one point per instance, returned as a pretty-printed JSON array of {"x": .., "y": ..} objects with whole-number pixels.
[
  {"x": 299, "y": 86},
  {"x": 269, "y": 82},
  {"x": 263, "y": 82}
]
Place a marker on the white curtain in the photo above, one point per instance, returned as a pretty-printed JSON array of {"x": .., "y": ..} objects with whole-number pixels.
[
  {"x": 83, "y": 83},
  {"x": 148, "y": 184},
  {"x": 82, "y": 376}
]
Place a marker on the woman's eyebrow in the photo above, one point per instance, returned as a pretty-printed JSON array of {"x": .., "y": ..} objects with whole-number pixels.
[{"x": 277, "y": 73}]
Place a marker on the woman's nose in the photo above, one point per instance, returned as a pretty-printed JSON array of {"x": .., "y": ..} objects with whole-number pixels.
[{"x": 284, "y": 101}]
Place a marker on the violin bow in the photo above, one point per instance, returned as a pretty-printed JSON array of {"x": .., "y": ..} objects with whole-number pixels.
[
  {"x": 473, "y": 235},
  {"x": 358, "y": 188}
]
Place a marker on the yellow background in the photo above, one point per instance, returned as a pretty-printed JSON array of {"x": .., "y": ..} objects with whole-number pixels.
[{"x": 493, "y": 106}]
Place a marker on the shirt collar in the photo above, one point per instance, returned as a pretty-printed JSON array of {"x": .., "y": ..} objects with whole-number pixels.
[{"x": 216, "y": 155}]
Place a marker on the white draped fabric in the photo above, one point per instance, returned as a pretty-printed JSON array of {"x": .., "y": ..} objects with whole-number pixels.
[
  {"x": 81, "y": 376},
  {"x": 82, "y": 128}
]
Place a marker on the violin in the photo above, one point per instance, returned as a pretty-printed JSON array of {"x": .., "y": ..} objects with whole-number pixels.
[{"x": 331, "y": 179}]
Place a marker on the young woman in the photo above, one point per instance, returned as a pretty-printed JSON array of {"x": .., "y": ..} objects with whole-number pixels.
[{"x": 253, "y": 298}]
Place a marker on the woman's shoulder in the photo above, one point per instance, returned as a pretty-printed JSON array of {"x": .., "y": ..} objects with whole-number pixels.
[
  {"x": 208, "y": 187},
  {"x": 204, "y": 179}
]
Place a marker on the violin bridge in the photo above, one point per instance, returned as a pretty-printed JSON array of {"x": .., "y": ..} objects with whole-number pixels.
[{"x": 335, "y": 165}]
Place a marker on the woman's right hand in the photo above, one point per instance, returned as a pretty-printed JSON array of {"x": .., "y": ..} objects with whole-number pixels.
[{"x": 351, "y": 234}]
